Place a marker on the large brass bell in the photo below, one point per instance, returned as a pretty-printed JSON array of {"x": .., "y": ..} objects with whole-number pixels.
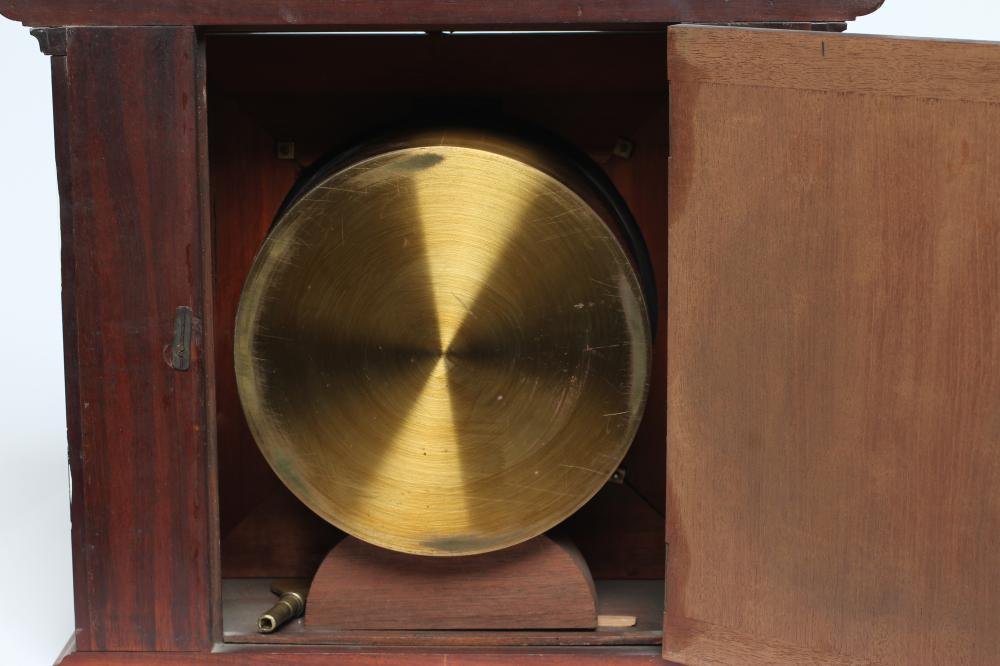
[{"x": 443, "y": 346}]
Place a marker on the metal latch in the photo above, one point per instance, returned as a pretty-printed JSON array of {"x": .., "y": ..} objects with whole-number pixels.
[{"x": 180, "y": 352}]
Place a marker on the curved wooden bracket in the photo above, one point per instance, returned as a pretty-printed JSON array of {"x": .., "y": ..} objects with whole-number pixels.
[
  {"x": 539, "y": 584},
  {"x": 51, "y": 41}
]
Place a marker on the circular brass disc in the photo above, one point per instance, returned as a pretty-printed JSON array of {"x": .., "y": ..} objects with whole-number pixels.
[{"x": 442, "y": 349}]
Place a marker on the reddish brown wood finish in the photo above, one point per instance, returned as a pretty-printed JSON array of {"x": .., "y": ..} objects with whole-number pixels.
[
  {"x": 539, "y": 584},
  {"x": 419, "y": 14},
  {"x": 61, "y": 118},
  {"x": 256, "y": 510},
  {"x": 207, "y": 340},
  {"x": 323, "y": 656},
  {"x": 128, "y": 172},
  {"x": 278, "y": 538},
  {"x": 619, "y": 533},
  {"x": 834, "y": 343}
]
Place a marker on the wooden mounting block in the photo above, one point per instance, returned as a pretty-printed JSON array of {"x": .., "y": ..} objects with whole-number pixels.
[{"x": 539, "y": 584}]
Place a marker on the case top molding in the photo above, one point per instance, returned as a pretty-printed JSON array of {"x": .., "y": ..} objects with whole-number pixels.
[{"x": 423, "y": 14}]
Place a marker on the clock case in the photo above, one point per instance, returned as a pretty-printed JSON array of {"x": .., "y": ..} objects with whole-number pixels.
[{"x": 825, "y": 256}]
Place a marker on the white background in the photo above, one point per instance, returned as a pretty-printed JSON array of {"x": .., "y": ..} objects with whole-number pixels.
[{"x": 35, "y": 575}]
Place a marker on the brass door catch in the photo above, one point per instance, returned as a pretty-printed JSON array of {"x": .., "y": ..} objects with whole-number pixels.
[{"x": 180, "y": 350}]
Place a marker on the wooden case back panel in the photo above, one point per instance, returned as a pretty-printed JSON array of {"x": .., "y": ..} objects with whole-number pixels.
[
  {"x": 421, "y": 14},
  {"x": 128, "y": 170},
  {"x": 833, "y": 350}
]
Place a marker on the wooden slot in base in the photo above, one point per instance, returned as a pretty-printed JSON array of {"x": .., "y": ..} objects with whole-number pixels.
[{"x": 539, "y": 584}]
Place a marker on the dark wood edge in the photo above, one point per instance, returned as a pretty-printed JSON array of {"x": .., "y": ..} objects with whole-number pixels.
[
  {"x": 423, "y": 14},
  {"x": 318, "y": 655},
  {"x": 61, "y": 115},
  {"x": 459, "y": 639},
  {"x": 206, "y": 340},
  {"x": 808, "y": 26}
]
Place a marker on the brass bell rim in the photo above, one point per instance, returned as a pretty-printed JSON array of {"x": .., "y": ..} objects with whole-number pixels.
[
  {"x": 575, "y": 187},
  {"x": 548, "y": 153}
]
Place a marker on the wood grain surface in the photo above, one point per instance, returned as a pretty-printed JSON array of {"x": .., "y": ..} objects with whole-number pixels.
[
  {"x": 538, "y": 584},
  {"x": 323, "y": 656},
  {"x": 834, "y": 350},
  {"x": 245, "y": 599},
  {"x": 61, "y": 122},
  {"x": 417, "y": 14},
  {"x": 935, "y": 69},
  {"x": 132, "y": 253}
]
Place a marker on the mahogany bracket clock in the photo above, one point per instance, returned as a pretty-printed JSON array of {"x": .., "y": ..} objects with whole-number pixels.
[{"x": 556, "y": 332}]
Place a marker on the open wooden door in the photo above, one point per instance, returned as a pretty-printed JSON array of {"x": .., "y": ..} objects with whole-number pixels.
[{"x": 834, "y": 350}]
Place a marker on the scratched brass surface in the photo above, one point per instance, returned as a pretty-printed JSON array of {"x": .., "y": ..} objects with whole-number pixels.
[{"x": 442, "y": 348}]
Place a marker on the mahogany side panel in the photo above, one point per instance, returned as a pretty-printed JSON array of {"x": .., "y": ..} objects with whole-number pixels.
[
  {"x": 413, "y": 14},
  {"x": 128, "y": 163},
  {"x": 61, "y": 122},
  {"x": 834, "y": 350}
]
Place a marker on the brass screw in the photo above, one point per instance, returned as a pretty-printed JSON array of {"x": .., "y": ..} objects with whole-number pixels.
[
  {"x": 285, "y": 150},
  {"x": 623, "y": 149}
]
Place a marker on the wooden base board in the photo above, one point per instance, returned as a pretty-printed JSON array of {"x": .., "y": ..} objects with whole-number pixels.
[
  {"x": 286, "y": 655},
  {"x": 243, "y": 599}
]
